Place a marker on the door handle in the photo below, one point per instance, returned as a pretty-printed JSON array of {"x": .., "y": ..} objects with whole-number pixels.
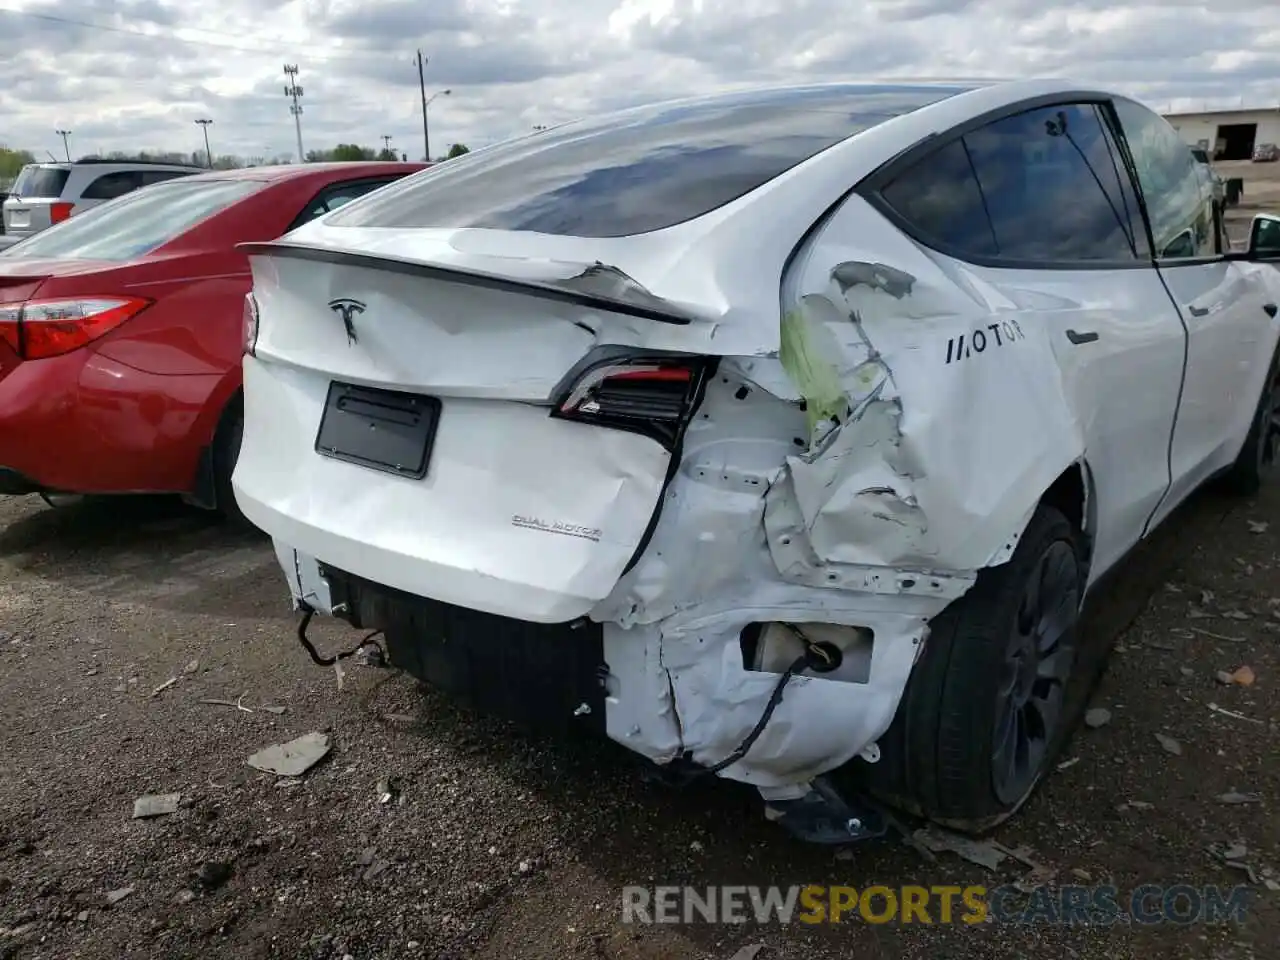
[
  {"x": 1270, "y": 309},
  {"x": 1077, "y": 338},
  {"x": 1198, "y": 311}
]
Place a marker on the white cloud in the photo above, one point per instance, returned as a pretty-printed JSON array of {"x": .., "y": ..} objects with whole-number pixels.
[{"x": 514, "y": 63}]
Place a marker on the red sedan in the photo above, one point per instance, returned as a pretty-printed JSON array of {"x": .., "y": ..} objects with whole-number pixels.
[{"x": 121, "y": 331}]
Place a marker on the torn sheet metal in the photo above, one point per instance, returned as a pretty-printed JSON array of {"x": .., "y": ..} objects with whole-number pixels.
[
  {"x": 931, "y": 435},
  {"x": 893, "y": 449}
]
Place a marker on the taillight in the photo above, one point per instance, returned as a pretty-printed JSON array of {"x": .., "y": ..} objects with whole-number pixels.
[
  {"x": 59, "y": 211},
  {"x": 250, "y": 324},
  {"x": 9, "y": 313},
  {"x": 649, "y": 395},
  {"x": 47, "y": 328}
]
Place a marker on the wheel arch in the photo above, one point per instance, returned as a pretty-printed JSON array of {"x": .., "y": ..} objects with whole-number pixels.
[
  {"x": 224, "y": 402},
  {"x": 1072, "y": 494}
]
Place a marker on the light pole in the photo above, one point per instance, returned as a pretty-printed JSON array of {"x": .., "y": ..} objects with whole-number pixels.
[
  {"x": 293, "y": 92},
  {"x": 65, "y": 149},
  {"x": 426, "y": 103},
  {"x": 204, "y": 125},
  {"x": 386, "y": 145}
]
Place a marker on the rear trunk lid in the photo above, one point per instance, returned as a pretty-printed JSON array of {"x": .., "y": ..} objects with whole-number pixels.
[
  {"x": 23, "y": 217},
  {"x": 493, "y": 432}
]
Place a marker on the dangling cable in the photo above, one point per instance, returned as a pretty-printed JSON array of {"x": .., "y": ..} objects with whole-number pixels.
[{"x": 330, "y": 661}]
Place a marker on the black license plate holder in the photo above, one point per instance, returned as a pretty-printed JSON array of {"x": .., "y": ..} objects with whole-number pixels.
[{"x": 384, "y": 430}]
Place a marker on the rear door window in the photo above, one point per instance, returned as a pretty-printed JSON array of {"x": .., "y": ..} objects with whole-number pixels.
[
  {"x": 641, "y": 170},
  {"x": 112, "y": 185},
  {"x": 1053, "y": 186},
  {"x": 137, "y": 223},
  {"x": 1042, "y": 186},
  {"x": 40, "y": 183},
  {"x": 338, "y": 195}
]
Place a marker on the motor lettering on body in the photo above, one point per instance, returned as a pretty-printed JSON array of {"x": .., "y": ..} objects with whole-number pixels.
[{"x": 978, "y": 340}]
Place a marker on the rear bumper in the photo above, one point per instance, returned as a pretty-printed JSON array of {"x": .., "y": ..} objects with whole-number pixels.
[
  {"x": 686, "y": 694},
  {"x": 84, "y": 423},
  {"x": 544, "y": 676}
]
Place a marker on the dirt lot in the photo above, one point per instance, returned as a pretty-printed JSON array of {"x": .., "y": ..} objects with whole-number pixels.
[
  {"x": 499, "y": 846},
  {"x": 495, "y": 845}
]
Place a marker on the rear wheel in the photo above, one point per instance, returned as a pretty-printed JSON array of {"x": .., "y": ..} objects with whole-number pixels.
[
  {"x": 226, "y": 450},
  {"x": 984, "y": 711},
  {"x": 1257, "y": 460}
]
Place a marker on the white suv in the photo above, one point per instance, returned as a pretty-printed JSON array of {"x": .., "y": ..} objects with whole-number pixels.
[
  {"x": 765, "y": 431},
  {"x": 46, "y": 193}
]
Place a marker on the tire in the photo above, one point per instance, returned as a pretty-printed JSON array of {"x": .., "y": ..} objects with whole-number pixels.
[
  {"x": 940, "y": 756},
  {"x": 226, "y": 451},
  {"x": 1256, "y": 462}
]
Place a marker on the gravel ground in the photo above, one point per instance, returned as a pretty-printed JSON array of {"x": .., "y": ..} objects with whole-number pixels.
[{"x": 495, "y": 845}]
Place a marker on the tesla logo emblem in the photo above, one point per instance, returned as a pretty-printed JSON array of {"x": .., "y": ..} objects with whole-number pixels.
[{"x": 347, "y": 309}]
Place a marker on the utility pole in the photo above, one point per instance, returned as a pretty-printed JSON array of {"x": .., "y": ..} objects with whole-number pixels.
[
  {"x": 204, "y": 125},
  {"x": 386, "y": 144},
  {"x": 422, "y": 89},
  {"x": 65, "y": 149},
  {"x": 293, "y": 92}
]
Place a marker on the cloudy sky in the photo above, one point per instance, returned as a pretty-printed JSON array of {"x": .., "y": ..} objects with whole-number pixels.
[{"x": 136, "y": 74}]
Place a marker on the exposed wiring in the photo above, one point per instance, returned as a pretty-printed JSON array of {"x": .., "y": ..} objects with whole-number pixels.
[
  {"x": 366, "y": 641},
  {"x": 809, "y": 658}
]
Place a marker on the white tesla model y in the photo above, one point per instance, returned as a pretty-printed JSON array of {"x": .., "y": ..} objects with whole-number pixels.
[{"x": 764, "y": 432}]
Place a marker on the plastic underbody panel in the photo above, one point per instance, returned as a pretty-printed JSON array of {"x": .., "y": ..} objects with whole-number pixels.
[{"x": 543, "y": 676}]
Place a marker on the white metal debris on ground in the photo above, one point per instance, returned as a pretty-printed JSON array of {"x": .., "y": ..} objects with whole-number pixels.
[{"x": 294, "y": 758}]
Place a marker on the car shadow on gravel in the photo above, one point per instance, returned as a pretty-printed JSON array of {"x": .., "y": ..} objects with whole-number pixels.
[{"x": 154, "y": 550}]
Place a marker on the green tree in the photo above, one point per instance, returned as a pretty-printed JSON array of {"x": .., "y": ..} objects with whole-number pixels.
[
  {"x": 457, "y": 150},
  {"x": 351, "y": 151},
  {"x": 387, "y": 154},
  {"x": 11, "y": 161}
]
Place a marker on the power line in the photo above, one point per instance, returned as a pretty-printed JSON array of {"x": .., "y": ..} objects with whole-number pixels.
[{"x": 174, "y": 38}]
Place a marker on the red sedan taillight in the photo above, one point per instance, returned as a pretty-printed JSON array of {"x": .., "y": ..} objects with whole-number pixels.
[{"x": 47, "y": 328}]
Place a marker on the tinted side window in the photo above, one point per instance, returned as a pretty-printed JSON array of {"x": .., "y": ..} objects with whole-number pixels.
[
  {"x": 1052, "y": 188},
  {"x": 940, "y": 197},
  {"x": 337, "y": 196},
  {"x": 112, "y": 185},
  {"x": 1179, "y": 198}
]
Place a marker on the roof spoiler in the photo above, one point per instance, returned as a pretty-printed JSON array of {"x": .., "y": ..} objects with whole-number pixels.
[{"x": 598, "y": 286}]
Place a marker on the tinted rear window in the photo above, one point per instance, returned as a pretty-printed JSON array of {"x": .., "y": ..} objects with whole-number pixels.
[
  {"x": 136, "y": 223},
  {"x": 40, "y": 183},
  {"x": 640, "y": 170}
]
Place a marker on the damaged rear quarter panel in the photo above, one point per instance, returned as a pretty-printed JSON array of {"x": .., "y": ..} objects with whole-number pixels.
[
  {"x": 936, "y": 412},
  {"x": 933, "y": 421}
]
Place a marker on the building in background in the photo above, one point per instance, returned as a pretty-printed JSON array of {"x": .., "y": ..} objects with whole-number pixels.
[{"x": 1228, "y": 134}]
